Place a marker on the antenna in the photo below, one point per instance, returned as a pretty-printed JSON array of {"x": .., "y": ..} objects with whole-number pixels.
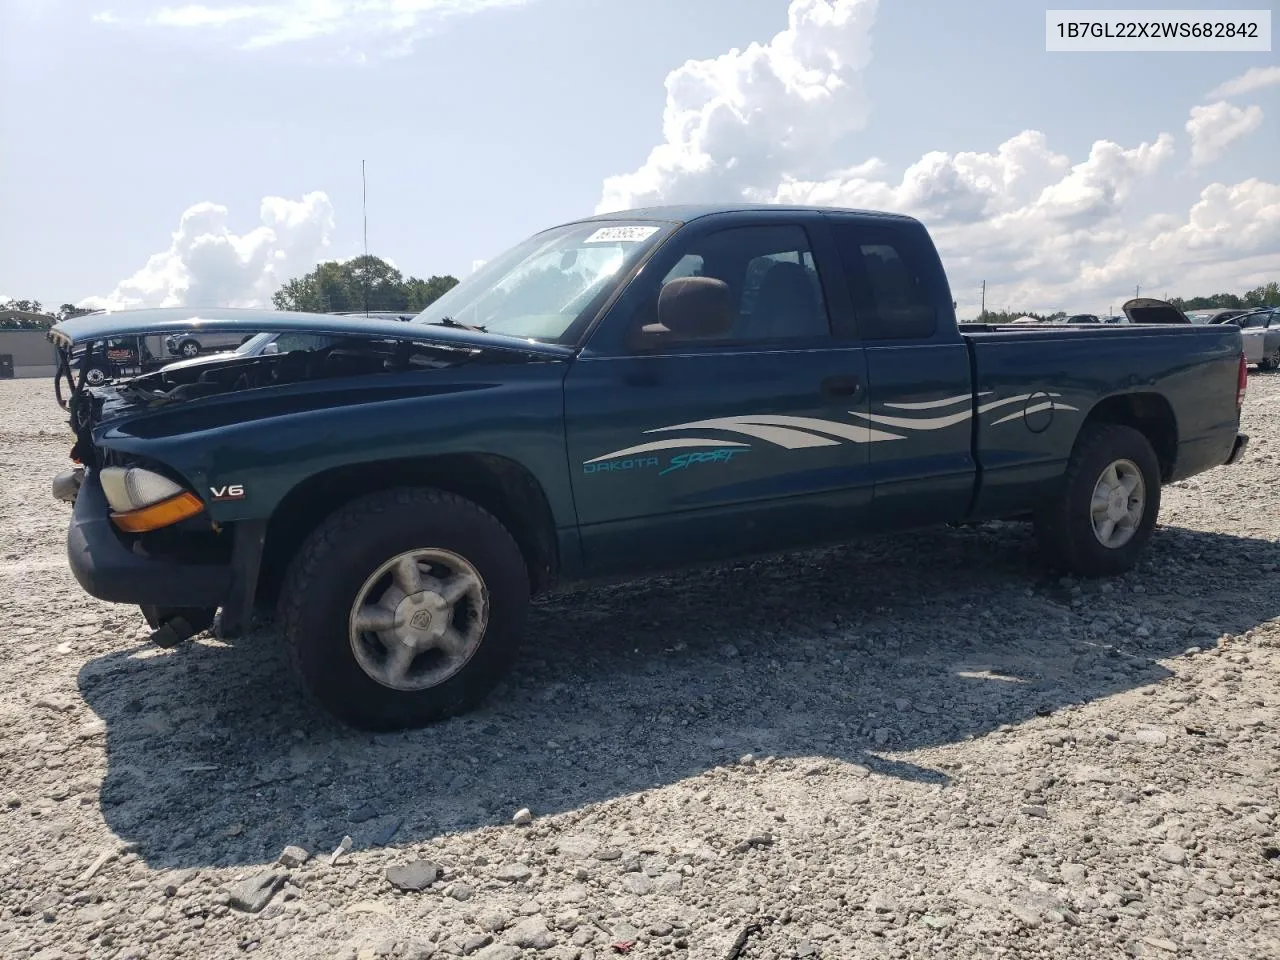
[{"x": 364, "y": 204}]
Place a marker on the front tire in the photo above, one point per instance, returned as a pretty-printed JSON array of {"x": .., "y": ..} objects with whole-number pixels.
[
  {"x": 404, "y": 607},
  {"x": 189, "y": 348},
  {"x": 1110, "y": 499}
]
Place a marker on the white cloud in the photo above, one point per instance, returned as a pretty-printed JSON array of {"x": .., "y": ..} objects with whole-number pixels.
[
  {"x": 198, "y": 15},
  {"x": 1255, "y": 78},
  {"x": 207, "y": 265},
  {"x": 1229, "y": 230},
  {"x": 394, "y": 23},
  {"x": 1216, "y": 126},
  {"x": 740, "y": 120},
  {"x": 771, "y": 124}
]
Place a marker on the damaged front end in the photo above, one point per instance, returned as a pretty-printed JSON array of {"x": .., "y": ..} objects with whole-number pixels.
[{"x": 152, "y": 524}]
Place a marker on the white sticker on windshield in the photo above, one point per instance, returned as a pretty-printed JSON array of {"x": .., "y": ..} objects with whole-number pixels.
[{"x": 621, "y": 234}]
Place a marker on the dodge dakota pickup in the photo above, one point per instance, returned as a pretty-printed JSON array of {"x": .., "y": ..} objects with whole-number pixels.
[{"x": 614, "y": 396}]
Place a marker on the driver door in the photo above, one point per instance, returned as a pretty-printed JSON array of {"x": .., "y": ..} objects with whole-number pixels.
[{"x": 729, "y": 445}]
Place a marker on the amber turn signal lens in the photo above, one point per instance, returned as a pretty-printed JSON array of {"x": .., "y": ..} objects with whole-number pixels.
[{"x": 158, "y": 515}]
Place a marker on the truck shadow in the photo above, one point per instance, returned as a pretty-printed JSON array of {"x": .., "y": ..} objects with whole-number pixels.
[{"x": 860, "y": 653}]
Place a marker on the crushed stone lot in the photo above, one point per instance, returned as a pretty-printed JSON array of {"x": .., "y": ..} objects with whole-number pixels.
[{"x": 924, "y": 746}]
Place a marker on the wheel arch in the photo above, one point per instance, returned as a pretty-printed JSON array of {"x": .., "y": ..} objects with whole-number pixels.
[
  {"x": 503, "y": 487},
  {"x": 1148, "y": 413}
]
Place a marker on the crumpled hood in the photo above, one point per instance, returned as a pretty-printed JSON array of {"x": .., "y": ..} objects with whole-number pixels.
[{"x": 125, "y": 323}]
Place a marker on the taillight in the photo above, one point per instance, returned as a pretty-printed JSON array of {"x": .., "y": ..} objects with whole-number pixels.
[{"x": 1242, "y": 384}]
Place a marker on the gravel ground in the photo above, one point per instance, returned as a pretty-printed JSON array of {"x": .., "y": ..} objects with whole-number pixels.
[{"x": 952, "y": 754}]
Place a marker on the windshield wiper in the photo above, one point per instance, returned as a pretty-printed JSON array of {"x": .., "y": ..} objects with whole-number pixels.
[{"x": 450, "y": 322}]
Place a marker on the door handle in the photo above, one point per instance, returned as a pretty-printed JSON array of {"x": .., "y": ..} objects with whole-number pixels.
[{"x": 841, "y": 387}]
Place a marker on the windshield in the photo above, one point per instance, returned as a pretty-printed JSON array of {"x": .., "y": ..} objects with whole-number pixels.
[{"x": 541, "y": 287}]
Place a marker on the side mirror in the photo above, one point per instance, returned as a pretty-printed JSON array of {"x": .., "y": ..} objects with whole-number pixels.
[
  {"x": 271, "y": 349},
  {"x": 692, "y": 308}
]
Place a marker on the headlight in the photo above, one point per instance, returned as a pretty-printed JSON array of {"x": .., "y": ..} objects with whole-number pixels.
[
  {"x": 131, "y": 488},
  {"x": 142, "y": 500}
]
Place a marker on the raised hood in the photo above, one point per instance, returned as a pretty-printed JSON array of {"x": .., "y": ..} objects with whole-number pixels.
[
  {"x": 1147, "y": 310},
  {"x": 129, "y": 323}
]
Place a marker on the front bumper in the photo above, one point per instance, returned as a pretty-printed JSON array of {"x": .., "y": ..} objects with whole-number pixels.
[
  {"x": 109, "y": 570},
  {"x": 1237, "y": 449}
]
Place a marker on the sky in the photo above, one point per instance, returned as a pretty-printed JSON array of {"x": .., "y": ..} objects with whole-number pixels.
[{"x": 156, "y": 152}]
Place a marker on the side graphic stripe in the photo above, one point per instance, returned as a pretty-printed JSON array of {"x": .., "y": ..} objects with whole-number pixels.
[
  {"x": 1035, "y": 408},
  {"x": 789, "y": 439},
  {"x": 849, "y": 431},
  {"x": 1020, "y": 398},
  {"x": 797, "y": 433},
  {"x": 671, "y": 444},
  {"x": 1022, "y": 413},
  {"x": 935, "y": 404},
  {"x": 916, "y": 423}
]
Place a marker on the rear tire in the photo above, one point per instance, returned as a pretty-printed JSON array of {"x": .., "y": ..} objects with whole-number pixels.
[
  {"x": 454, "y": 651},
  {"x": 1098, "y": 526}
]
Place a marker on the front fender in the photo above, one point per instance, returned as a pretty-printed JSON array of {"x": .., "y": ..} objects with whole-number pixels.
[{"x": 242, "y": 454}]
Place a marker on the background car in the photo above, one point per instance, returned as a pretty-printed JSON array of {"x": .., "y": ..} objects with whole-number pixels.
[
  {"x": 1214, "y": 315},
  {"x": 1260, "y": 331},
  {"x": 187, "y": 345},
  {"x": 258, "y": 345}
]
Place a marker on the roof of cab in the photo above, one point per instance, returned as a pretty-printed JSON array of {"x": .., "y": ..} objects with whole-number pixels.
[{"x": 683, "y": 213}]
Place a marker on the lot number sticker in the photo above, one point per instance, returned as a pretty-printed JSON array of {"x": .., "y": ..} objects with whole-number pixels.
[{"x": 621, "y": 235}]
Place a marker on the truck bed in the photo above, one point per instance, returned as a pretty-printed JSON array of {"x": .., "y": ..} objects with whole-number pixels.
[{"x": 1180, "y": 379}]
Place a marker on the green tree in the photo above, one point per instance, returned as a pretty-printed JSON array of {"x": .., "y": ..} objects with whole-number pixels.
[
  {"x": 421, "y": 293},
  {"x": 1267, "y": 295},
  {"x": 362, "y": 283},
  {"x": 1217, "y": 301},
  {"x": 24, "y": 315}
]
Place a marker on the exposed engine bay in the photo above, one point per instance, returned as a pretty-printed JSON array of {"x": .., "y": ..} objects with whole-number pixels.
[{"x": 344, "y": 357}]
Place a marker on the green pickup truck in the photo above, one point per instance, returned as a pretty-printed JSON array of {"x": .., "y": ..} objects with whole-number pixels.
[{"x": 616, "y": 396}]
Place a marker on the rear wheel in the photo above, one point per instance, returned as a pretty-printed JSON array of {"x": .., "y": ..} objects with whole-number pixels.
[
  {"x": 1107, "y": 510},
  {"x": 404, "y": 607}
]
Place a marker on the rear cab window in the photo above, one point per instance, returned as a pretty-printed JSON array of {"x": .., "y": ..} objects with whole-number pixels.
[{"x": 893, "y": 275}]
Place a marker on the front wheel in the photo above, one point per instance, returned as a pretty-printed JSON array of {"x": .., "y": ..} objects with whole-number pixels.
[
  {"x": 404, "y": 607},
  {"x": 1107, "y": 509},
  {"x": 189, "y": 349}
]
